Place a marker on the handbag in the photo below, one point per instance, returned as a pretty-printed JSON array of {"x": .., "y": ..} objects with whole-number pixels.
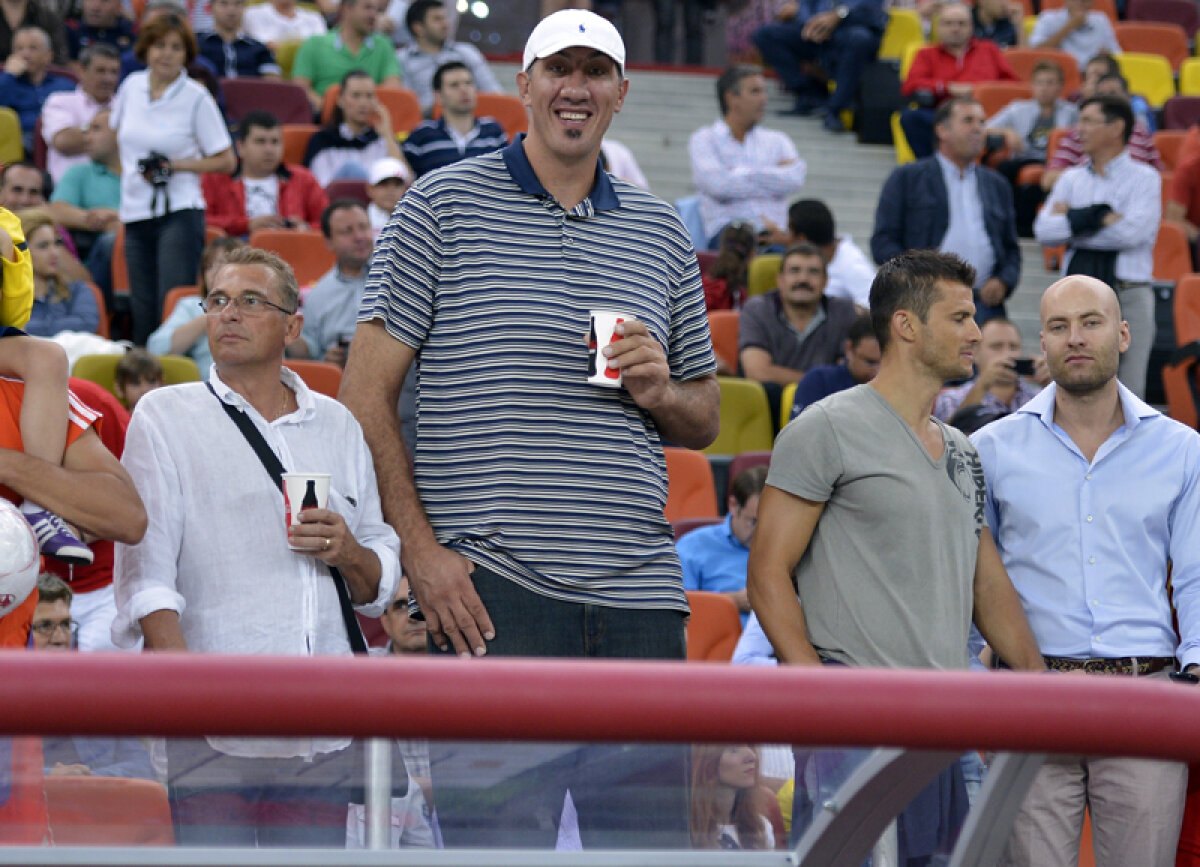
[{"x": 275, "y": 470}]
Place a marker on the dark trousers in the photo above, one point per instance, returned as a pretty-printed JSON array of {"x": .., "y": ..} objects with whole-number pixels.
[
  {"x": 693, "y": 31},
  {"x": 222, "y": 800},
  {"x": 626, "y": 796},
  {"x": 1027, "y": 198},
  {"x": 917, "y": 124},
  {"x": 161, "y": 254},
  {"x": 844, "y": 56}
]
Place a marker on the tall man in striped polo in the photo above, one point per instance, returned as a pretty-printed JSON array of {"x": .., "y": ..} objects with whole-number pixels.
[{"x": 534, "y": 524}]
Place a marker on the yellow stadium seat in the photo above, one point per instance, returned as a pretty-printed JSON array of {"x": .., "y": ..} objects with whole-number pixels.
[
  {"x": 903, "y": 29},
  {"x": 11, "y": 149},
  {"x": 906, "y": 61},
  {"x": 904, "y": 153},
  {"x": 1149, "y": 75},
  {"x": 285, "y": 55},
  {"x": 764, "y": 268},
  {"x": 785, "y": 403},
  {"x": 1189, "y": 77},
  {"x": 745, "y": 418},
  {"x": 102, "y": 369},
  {"x": 1028, "y": 23}
]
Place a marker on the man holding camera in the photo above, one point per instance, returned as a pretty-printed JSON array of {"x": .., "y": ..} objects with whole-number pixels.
[
  {"x": 1002, "y": 382},
  {"x": 263, "y": 193}
]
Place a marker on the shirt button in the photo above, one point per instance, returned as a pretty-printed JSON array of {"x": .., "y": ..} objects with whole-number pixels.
[
  {"x": 1097, "y": 639},
  {"x": 567, "y": 240},
  {"x": 1091, "y": 559},
  {"x": 1089, "y": 519},
  {"x": 1088, "y": 477}
]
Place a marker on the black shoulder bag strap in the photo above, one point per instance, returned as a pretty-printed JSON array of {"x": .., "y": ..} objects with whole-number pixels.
[{"x": 275, "y": 470}]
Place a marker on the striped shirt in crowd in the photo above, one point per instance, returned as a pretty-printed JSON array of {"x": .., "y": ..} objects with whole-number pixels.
[
  {"x": 1142, "y": 148},
  {"x": 522, "y": 466}
]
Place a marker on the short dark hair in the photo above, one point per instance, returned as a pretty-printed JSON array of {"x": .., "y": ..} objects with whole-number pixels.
[
  {"x": 747, "y": 483},
  {"x": 812, "y": 219},
  {"x": 138, "y": 365},
  {"x": 860, "y": 329},
  {"x": 98, "y": 49},
  {"x": 1114, "y": 76},
  {"x": 946, "y": 109},
  {"x": 335, "y": 206},
  {"x": 47, "y": 181},
  {"x": 1113, "y": 108},
  {"x": 257, "y": 118},
  {"x": 910, "y": 282},
  {"x": 158, "y": 28},
  {"x": 1048, "y": 66},
  {"x": 802, "y": 248},
  {"x": 448, "y": 67},
  {"x": 417, "y": 11},
  {"x": 1110, "y": 63},
  {"x": 731, "y": 79},
  {"x": 338, "y": 115}
]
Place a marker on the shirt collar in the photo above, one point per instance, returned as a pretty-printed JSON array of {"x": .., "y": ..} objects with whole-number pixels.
[
  {"x": 1116, "y": 163},
  {"x": 951, "y": 170},
  {"x": 173, "y": 88},
  {"x": 1132, "y": 407},
  {"x": 602, "y": 196},
  {"x": 304, "y": 396},
  {"x": 368, "y": 42},
  {"x": 732, "y": 539}
]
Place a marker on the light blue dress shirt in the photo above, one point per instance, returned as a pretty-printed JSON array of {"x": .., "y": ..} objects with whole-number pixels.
[
  {"x": 1087, "y": 543},
  {"x": 714, "y": 559},
  {"x": 966, "y": 232}
]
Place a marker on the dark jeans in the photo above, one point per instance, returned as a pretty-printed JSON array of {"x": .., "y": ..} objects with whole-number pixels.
[
  {"x": 1027, "y": 198},
  {"x": 917, "y": 124},
  {"x": 844, "y": 56},
  {"x": 99, "y": 265},
  {"x": 222, "y": 800},
  {"x": 693, "y": 31},
  {"x": 627, "y": 796},
  {"x": 161, "y": 254}
]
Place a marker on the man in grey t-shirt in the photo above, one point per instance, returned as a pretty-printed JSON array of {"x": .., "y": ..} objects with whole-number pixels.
[{"x": 877, "y": 508}]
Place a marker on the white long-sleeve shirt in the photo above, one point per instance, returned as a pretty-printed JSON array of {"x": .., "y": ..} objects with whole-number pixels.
[{"x": 749, "y": 180}]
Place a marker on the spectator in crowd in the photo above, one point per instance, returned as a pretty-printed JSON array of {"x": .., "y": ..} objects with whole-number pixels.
[
  {"x": 726, "y": 279},
  {"x": 170, "y": 132},
  {"x": 516, "y": 592},
  {"x": 57, "y": 304},
  {"x": 23, "y": 185},
  {"x": 263, "y": 192},
  {"x": 386, "y": 185},
  {"x": 199, "y": 68},
  {"x": 1070, "y": 153},
  {"x": 184, "y": 332},
  {"x": 950, "y": 68},
  {"x": 996, "y": 385},
  {"x": 847, "y": 268},
  {"x": 27, "y": 81},
  {"x": 840, "y": 40},
  {"x": 230, "y": 50},
  {"x": 1114, "y": 84},
  {"x": 331, "y": 308},
  {"x": 354, "y": 46},
  {"x": 857, "y": 481},
  {"x": 1025, "y": 125},
  {"x": 431, "y": 50},
  {"x": 458, "y": 133},
  {"x": 278, "y": 21},
  {"x": 741, "y": 170},
  {"x": 1000, "y": 21},
  {"x": 54, "y": 629},
  {"x": 1182, "y": 206},
  {"x": 728, "y": 800},
  {"x": 794, "y": 327},
  {"x": 101, "y": 23},
  {"x": 915, "y": 208},
  {"x": 1088, "y": 447},
  {"x": 360, "y": 134},
  {"x": 138, "y": 373},
  {"x": 859, "y": 364},
  {"x": 1107, "y": 212},
  {"x": 1076, "y": 29},
  {"x": 714, "y": 558},
  {"x": 33, "y": 13},
  {"x": 88, "y": 200},
  {"x": 203, "y": 480},
  {"x": 67, "y": 114}
]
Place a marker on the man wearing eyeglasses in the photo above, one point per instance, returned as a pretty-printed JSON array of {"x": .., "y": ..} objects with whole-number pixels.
[{"x": 219, "y": 552}]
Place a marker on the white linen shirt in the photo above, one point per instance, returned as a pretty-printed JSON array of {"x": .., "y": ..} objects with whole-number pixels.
[
  {"x": 850, "y": 274},
  {"x": 63, "y": 110},
  {"x": 216, "y": 546},
  {"x": 184, "y": 123},
  {"x": 263, "y": 22},
  {"x": 744, "y": 180}
]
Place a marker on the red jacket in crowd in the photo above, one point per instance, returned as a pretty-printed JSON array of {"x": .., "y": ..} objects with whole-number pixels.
[
  {"x": 300, "y": 197},
  {"x": 934, "y": 67}
]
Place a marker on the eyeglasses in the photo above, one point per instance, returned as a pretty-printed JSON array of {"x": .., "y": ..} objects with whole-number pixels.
[
  {"x": 46, "y": 628},
  {"x": 249, "y": 304}
]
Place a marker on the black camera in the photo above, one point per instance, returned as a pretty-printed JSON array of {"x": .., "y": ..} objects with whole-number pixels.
[{"x": 155, "y": 168}]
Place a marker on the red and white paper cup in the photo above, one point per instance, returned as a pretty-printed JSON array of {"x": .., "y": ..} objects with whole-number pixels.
[
  {"x": 602, "y": 330},
  {"x": 304, "y": 491}
]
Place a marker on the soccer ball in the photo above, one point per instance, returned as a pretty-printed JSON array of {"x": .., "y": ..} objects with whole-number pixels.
[{"x": 19, "y": 558}]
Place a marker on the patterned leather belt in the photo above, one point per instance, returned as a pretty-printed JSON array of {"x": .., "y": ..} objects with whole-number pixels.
[{"x": 1139, "y": 665}]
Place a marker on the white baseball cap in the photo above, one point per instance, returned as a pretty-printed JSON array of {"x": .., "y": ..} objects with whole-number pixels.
[
  {"x": 572, "y": 28},
  {"x": 389, "y": 167}
]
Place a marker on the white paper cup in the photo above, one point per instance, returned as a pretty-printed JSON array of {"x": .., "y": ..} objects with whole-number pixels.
[
  {"x": 296, "y": 488},
  {"x": 602, "y": 330}
]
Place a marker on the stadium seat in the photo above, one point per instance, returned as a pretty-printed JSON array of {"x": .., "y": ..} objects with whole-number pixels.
[
  {"x": 906, "y": 60},
  {"x": 1181, "y": 112},
  {"x": 1168, "y": 142},
  {"x": 40, "y": 149},
  {"x": 764, "y": 268},
  {"x": 295, "y": 141},
  {"x": 994, "y": 95},
  {"x": 1172, "y": 254},
  {"x": 401, "y": 104},
  {"x": 1187, "y": 310},
  {"x": 723, "y": 326},
  {"x": 745, "y": 418},
  {"x": 285, "y": 56},
  {"x": 176, "y": 295},
  {"x": 904, "y": 153},
  {"x": 119, "y": 271},
  {"x": 1181, "y": 405},
  {"x": 1022, "y": 60},
  {"x": 1185, "y": 13},
  {"x": 323, "y": 377},
  {"x": 284, "y": 99},
  {"x": 705, "y": 259},
  {"x": 107, "y": 811},
  {"x": 713, "y": 629},
  {"x": 11, "y": 149},
  {"x": 348, "y": 188},
  {"x": 746, "y": 460},
  {"x": 1169, "y": 40},
  {"x": 903, "y": 29},
  {"x": 102, "y": 369},
  {"x": 685, "y": 525},
  {"x": 504, "y": 108},
  {"x": 102, "y": 328},
  {"x": 785, "y": 403},
  {"x": 1149, "y": 75},
  {"x": 691, "y": 492},
  {"x": 1108, "y": 7},
  {"x": 1165, "y": 189},
  {"x": 304, "y": 251}
]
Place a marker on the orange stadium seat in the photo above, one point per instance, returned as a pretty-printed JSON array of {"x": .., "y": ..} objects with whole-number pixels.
[
  {"x": 723, "y": 326},
  {"x": 1172, "y": 254},
  {"x": 506, "y": 109},
  {"x": 401, "y": 104},
  {"x": 295, "y": 141},
  {"x": 692, "y": 492},
  {"x": 1168, "y": 142},
  {"x": 1022, "y": 60},
  {"x": 714, "y": 627},
  {"x": 107, "y": 811},
  {"x": 322, "y": 377},
  {"x": 304, "y": 251},
  {"x": 102, "y": 328},
  {"x": 1187, "y": 310},
  {"x": 119, "y": 270},
  {"x": 1169, "y": 40},
  {"x": 174, "y": 296},
  {"x": 994, "y": 95}
]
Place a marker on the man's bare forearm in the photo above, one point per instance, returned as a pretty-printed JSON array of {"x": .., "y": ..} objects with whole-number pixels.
[
  {"x": 161, "y": 630},
  {"x": 690, "y": 416}
]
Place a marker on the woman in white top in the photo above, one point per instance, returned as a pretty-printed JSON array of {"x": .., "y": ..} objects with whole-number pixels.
[
  {"x": 728, "y": 801},
  {"x": 361, "y": 134},
  {"x": 281, "y": 21},
  {"x": 169, "y": 131}
]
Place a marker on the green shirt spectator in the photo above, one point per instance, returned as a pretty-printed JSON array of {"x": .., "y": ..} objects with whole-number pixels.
[{"x": 324, "y": 60}]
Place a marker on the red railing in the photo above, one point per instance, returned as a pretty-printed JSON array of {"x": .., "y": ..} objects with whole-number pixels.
[{"x": 190, "y": 695}]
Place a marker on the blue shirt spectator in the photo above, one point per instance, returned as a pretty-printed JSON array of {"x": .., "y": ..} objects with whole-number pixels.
[{"x": 26, "y": 80}]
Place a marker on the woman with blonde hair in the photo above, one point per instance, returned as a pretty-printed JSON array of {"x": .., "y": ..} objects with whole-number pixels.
[
  {"x": 57, "y": 304},
  {"x": 728, "y": 802}
]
